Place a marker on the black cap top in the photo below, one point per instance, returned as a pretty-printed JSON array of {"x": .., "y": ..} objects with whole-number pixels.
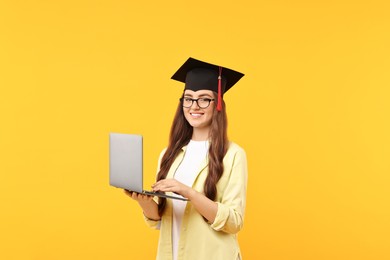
[{"x": 199, "y": 75}]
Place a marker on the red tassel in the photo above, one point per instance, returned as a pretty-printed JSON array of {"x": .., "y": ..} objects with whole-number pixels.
[{"x": 219, "y": 104}]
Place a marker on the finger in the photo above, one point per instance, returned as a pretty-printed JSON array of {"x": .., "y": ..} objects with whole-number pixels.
[
  {"x": 162, "y": 188},
  {"x": 134, "y": 195},
  {"x": 157, "y": 183},
  {"x": 128, "y": 193},
  {"x": 157, "y": 186},
  {"x": 147, "y": 197}
]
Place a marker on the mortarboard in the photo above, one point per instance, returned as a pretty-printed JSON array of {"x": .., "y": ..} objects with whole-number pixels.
[{"x": 199, "y": 75}]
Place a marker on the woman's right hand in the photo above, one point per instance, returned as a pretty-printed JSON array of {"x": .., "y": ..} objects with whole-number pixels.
[
  {"x": 148, "y": 205},
  {"x": 141, "y": 198}
]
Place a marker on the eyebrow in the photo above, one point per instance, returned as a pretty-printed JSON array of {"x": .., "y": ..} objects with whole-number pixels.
[{"x": 200, "y": 96}]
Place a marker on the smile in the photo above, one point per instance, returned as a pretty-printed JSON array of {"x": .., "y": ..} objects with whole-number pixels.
[{"x": 196, "y": 115}]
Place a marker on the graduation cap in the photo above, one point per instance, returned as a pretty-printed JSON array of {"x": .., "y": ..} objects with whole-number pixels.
[{"x": 199, "y": 75}]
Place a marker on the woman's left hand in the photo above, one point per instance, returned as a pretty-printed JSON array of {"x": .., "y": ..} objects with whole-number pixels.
[
  {"x": 206, "y": 207},
  {"x": 172, "y": 185}
]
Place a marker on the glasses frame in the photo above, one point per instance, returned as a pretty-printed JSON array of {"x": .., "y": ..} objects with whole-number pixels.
[{"x": 196, "y": 100}]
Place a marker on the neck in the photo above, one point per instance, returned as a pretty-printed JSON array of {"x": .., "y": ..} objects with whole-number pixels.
[{"x": 200, "y": 134}]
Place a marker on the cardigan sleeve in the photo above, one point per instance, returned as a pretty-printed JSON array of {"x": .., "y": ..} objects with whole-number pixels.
[
  {"x": 150, "y": 222},
  {"x": 231, "y": 207}
]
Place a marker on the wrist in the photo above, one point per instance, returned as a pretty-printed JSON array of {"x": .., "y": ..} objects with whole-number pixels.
[
  {"x": 191, "y": 194},
  {"x": 151, "y": 218}
]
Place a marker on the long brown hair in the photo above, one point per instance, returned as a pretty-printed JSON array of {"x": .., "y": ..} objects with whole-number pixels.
[{"x": 180, "y": 135}]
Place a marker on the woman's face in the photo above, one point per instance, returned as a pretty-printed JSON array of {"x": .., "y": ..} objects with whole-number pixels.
[{"x": 196, "y": 116}]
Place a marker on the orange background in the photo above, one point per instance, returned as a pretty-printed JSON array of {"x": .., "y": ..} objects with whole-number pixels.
[{"x": 312, "y": 113}]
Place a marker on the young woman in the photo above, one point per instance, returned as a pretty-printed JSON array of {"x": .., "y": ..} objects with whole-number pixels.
[{"x": 201, "y": 165}]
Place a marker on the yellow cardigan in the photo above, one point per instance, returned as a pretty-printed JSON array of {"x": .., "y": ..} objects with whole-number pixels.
[{"x": 200, "y": 240}]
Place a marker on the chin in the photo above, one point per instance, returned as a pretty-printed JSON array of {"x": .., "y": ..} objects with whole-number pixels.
[{"x": 196, "y": 125}]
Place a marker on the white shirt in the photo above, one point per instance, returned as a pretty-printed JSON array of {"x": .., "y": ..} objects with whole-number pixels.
[{"x": 186, "y": 173}]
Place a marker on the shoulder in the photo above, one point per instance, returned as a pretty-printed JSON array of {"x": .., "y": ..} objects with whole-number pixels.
[
  {"x": 235, "y": 150},
  {"x": 163, "y": 151}
]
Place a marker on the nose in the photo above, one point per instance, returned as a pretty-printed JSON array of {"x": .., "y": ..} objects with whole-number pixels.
[{"x": 196, "y": 104}]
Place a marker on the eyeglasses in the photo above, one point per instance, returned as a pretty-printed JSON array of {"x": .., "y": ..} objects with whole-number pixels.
[{"x": 201, "y": 102}]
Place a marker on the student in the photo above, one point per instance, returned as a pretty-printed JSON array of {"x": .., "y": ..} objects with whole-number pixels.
[{"x": 203, "y": 166}]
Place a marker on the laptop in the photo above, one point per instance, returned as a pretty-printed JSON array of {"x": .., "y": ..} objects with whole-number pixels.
[{"x": 126, "y": 165}]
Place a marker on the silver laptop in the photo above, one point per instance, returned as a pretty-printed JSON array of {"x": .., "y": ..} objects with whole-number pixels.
[{"x": 126, "y": 164}]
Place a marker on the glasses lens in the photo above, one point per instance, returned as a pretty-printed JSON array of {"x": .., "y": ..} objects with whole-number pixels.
[
  {"x": 187, "y": 102},
  {"x": 203, "y": 103},
  {"x": 200, "y": 102}
]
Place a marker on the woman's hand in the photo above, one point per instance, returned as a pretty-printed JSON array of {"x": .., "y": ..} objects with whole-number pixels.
[
  {"x": 172, "y": 185},
  {"x": 140, "y": 198},
  {"x": 149, "y": 207},
  {"x": 206, "y": 207}
]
